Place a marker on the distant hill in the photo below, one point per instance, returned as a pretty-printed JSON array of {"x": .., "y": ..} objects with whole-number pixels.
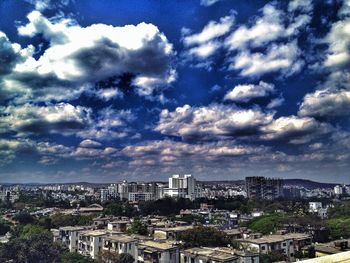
[
  {"x": 308, "y": 183},
  {"x": 288, "y": 182}
]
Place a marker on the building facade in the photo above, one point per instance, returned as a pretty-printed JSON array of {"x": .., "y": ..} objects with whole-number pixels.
[{"x": 259, "y": 187}]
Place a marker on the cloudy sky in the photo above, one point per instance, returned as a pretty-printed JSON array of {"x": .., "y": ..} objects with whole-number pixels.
[{"x": 106, "y": 90}]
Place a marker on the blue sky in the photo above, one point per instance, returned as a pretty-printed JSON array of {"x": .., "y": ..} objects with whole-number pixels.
[{"x": 102, "y": 91}]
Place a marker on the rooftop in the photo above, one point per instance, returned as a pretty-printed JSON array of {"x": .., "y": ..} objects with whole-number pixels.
[
  {"x": 175, "y": 229},
  {"x": 71, "y": 228},
  {"x": 276, "y": 238},
  {"x": 158, "y": 245},
  {"x": 121, "y": 238},
  {"x": 212, "y": 253},
  {"x": 94, "y": 233}
]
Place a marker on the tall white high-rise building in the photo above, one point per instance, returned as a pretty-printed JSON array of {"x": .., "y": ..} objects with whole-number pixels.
[
  {"x": 184, "y": 186},
  {"x": 338, "y": 190}
]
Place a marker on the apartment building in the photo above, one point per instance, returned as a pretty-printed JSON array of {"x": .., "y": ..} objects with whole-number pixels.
[
  {"x": 118, "y": 226},
  {"x": 121, "y": 244},
  {"x": 69, "y": 236},
  {"x": 286, "y": 244},
  {"x": 170, "y": 233},
  {"x": 157, "y": 252},
  {"x": 264, "y": 188},
  {"x": 90, "y": 242},
  {"x": 217, "y": 255}
]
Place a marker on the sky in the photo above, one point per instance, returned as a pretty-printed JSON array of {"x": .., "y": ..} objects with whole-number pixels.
[{"x": 101, "y": 91}]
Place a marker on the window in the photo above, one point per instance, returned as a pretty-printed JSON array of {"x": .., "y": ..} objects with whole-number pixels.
[
  {"x": 284, "y": 244},
  {"x": 262, "y": 247}
]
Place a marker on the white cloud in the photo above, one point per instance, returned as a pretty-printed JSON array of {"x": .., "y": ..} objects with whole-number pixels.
[
  {"x": 244, "y": 93},
  {"x": 171, "y": 151},
  {"x": 323, "y": 103},
  {"x": 301, "y": 5},
  {"x": 78, "y": 57},
  {"x": 209, "y": 2},
  {"x": 109, "y": 124},
  {"x": 267, "y": 28},
  {"x": 276, "y": 102},
  {"x": 339, "y": 43},
  {"x": 295, "y": 129},
  {"x": 204, "y": 44},
  {"x": 210, "y": 122},
  {"x": 90, "y": 144},
  {"x": 283, "y": 57},
  {"x": 62, "y": 118},
  {"x": 211, "y": 31},
  {"x": 217, "y": 122}
]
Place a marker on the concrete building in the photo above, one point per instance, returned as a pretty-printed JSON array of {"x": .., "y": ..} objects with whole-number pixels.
[
  {"x": 118, "y": 226},
  {"x": 217, "y": 255},
  {"x": 184, "y": 186},
  {"x": 314, "y": 207},
  {"x": 338, "y": 190},
  {"x": 69, "y": 237},
  {"x": 157, "y": 251},
  {"x": 140, "y": 196},
  {"x": 264, "y": 188},
  {"x": 121, "y": 244},
  {"x": 286, "y": 244},
  {"x": 170, "y": 233},
  {"x": 7, "y": 195},
  {"x": 90, "y": 242}
]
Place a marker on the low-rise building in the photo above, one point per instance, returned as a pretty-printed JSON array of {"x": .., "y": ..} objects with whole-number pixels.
[
  {"x": 286, "y": 244},
  {"x": 69, "y": 237},
  {"x": 170, "y": 233},
  {"x": 90, "y": 242},
  {"x": 217, "y": 255},
  {"x": 157, "y": 251},
  {"x": 121, "y": 244},
  {"x": 140, "y": 196},
  {"x": 331, "y": 248},
  {"x": 118, "y": 226}
]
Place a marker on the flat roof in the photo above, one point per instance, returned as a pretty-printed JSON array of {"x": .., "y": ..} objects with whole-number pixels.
[
  {"x": 93, "y": 233},
  {"x": 212, "y": 253},
  {"x": 266, "y": 239},
  {"x": 175, "y": 229},
  {"x": 72, "y": 228},
  {"x": 327, "y": 249},
  {"x": 120, "y": 222},
  {"x": 121, "y": 238},
  {"x": 159, "y": 245}
]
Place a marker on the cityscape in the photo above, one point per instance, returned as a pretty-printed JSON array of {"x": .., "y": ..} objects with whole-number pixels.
[
  {"x": 183, "y": 220},
  {"x": 174, "y": 131}
]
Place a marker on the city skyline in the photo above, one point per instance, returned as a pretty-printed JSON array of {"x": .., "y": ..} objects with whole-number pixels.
[{"x": 102, "y": 91}]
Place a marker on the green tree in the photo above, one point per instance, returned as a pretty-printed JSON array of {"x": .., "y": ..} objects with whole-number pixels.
[
  {"x": 203, "y": 236},
  {"x": 138, "y": 227},
  {"x": 28, "y": 231},
  {"x": 267, "y": 223},
  {"x": 272, "y": 257},
  {"x": 125, "y": 258},
  {"x": 4, "y": 227},
  {"x": 59, "y": 220},
  {"x": 120, "y": 209},
  {"x": 24, "y": 218},
  {"x": 339, "y": 227},
  {"x": 39, "y": 248},
  {"x": 75, "y": 258}
]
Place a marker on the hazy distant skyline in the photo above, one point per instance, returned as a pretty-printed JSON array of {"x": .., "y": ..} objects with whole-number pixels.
[{"x": 101, "y": 91}]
